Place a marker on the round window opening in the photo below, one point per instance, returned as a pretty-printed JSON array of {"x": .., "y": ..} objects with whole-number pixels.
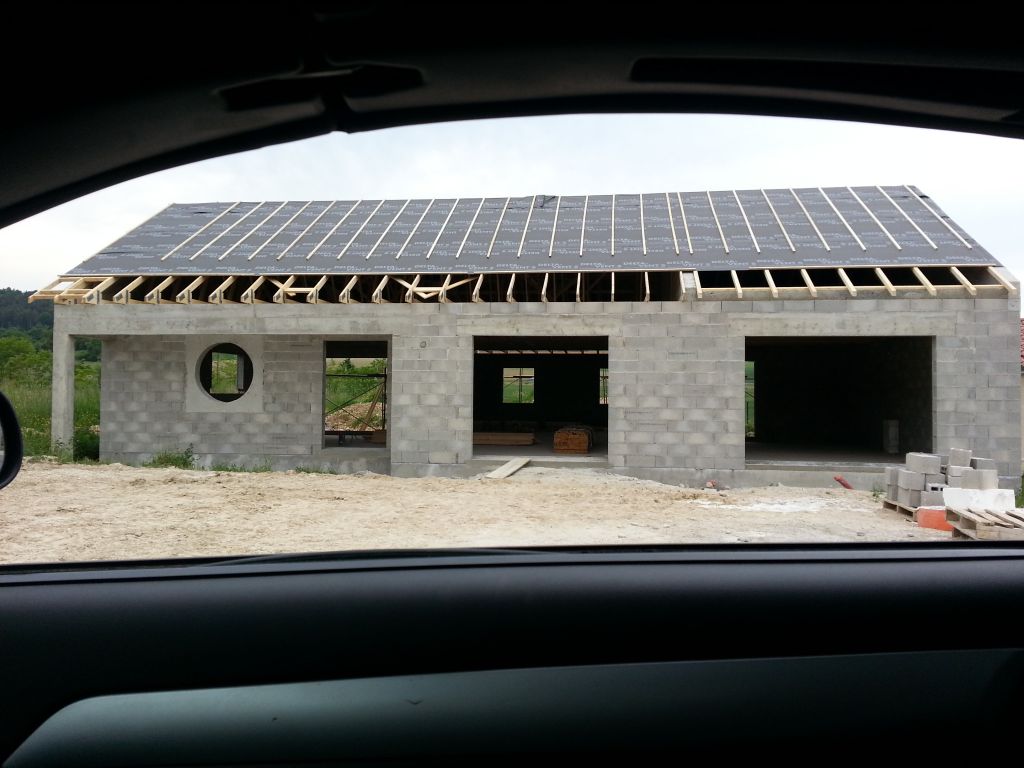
[{"x": 225, "y": 372}]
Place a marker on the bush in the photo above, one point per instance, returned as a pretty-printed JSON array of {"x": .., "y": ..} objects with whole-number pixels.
[
  {"x": 185, "y": 459},
  {"x": 86, "y": 444}
]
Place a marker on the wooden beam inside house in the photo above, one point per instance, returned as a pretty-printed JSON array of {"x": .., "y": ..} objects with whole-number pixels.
[
  {"x": 511, "y": 284},
  {"x": 736, "y": 283},
  {"x": 579, "y": 285},
  {"x": 771, "y": 283},
  {"x": 696, "y": 284},
  {"x": 647, "y": 288},
  {"x": 682, "y": 286}
]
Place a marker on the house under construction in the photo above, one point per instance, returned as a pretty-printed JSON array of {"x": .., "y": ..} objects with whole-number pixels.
[{"x": 743, "y": 336}]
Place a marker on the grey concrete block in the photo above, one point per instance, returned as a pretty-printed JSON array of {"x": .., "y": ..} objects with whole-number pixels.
[
  {"x": 931, "y": 499},
  {"x": 979, "y": 463},
  {"x": 981, "y": 479},
  {"x": 954, "y": 481},
  {"x": 937, "y": 478},
  {"x": 913, "y": 481},
  {"x": 935, "y": 486},
  {"x": 909, "y": 498},
  {"x": 960, "y": 457},
  {"x": 954, "y": 470},
  {"x": 924, "y": 463}
]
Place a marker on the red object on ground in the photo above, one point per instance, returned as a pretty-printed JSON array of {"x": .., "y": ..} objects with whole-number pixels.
[
  {"x": 933, "y": 517},
  {"x": 842, "y": 481}
]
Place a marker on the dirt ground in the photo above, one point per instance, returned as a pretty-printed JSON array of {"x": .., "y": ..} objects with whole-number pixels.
[{"x": 69, "y": 512}]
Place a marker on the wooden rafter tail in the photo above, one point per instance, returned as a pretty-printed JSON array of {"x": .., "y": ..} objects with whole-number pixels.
[
  {"x": 48, "y": 291},
  {"x": 962, "y": 279},
  {"x": 544, "y": 289},
  {"x": 809, "y": 283},
  {"x": 378, "y": 292},
  {"x": 647, "y": 287},
  {"x": 442, "y": 295},
  {"x": 281, "y": 294},
  {"x": 880, "y": 273},
  {"x": 925, "y": 282},
  {"x": 579, "y": 287},
  {"x": 736, "y": 283},
  {"x": 1010, "y": 287},
  {"x": 155, "y": 296},
  {"x": 345, "y": 297},
  {"x": 613, "y": 286},
  {"x": 508, "y": 294},
  {"x": 696, "y": 284},
  {"x": 410, "y": 293},
  {"x": 682, "y": 286},
  {"x": 72, "y": 293},
  {"x": 847, "y": 281},
  {"x": 249, "y": 294},
  {"x": 185, "y": 296},
  {"x": 771, "y": 283},
  {"x": 217, "y": 294},
  {"x": 313, "y": 297},
  {"x": 124, "y": 296},
  {"x": 477, "y": 287},
  {"x": 95, "y": 295}
]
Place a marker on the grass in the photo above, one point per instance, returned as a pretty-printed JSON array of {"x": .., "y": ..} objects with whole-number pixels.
[
  {"x": 31, "y": 401},
  {"x": 184, "y": 459},
  {"x": 261, "y": 467}
]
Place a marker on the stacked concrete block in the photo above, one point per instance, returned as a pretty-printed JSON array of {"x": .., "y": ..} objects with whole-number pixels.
[
  {"x": 910, "y": 485},
  {"x": 980, "y": 479},
  {"x": 954, "y": 475},
  {"x": 978, "y": 463},
  {"x": 959, "y": 457}
]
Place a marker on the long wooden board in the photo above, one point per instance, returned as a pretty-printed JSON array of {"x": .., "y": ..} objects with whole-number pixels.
[
  {"x": 504, "y": 438},
  {"x": 508, "y": 469}
]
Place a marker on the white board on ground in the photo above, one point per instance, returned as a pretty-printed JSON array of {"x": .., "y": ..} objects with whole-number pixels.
[
  {"x": 999, "y": 500},
  {"x": 508, "y": 468}
]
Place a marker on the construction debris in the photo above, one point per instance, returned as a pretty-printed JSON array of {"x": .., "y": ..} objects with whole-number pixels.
[{"x": 959, "y": 493}]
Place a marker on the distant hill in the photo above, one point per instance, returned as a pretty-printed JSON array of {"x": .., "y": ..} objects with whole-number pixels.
[{"x": 17, "y": 313}]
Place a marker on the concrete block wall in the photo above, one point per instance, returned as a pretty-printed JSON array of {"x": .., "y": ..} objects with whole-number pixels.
[{"x": 676, "y": 398}]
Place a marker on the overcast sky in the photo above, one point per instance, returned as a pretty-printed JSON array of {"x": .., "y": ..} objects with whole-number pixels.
[{"x": 976, "y": 179}]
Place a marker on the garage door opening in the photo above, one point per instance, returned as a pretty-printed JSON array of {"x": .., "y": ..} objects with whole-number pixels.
[
  {"x": 839, "y": 399},
  {"x": 540, "y": 397}
]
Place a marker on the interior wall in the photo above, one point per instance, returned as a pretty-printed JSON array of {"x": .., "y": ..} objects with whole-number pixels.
[
  {"x": 838, "y": 391},
  {"x": 566, "y": 390}
]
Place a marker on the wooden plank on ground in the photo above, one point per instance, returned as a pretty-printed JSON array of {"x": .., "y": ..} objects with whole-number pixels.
[{"x": 508, "y": 468}]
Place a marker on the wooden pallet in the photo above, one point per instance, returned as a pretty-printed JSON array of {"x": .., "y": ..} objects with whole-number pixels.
[
  {"x": 895, "y": 506},
  {"x": 986, "y": 524}
]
